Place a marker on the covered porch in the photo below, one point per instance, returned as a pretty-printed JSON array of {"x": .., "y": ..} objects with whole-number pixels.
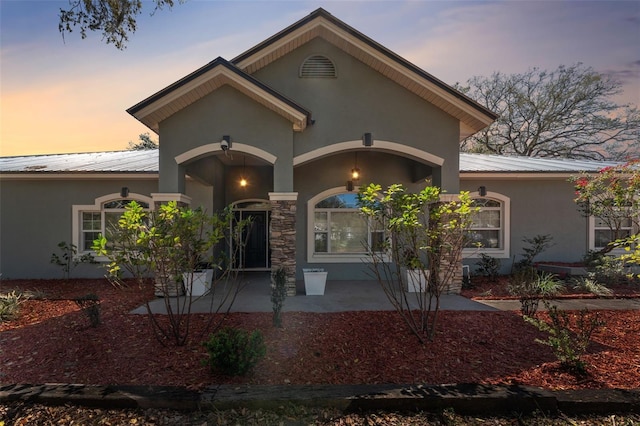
[{"x": 340, "y": 296}]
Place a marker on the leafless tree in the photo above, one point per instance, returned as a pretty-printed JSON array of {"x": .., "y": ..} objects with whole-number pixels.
[{"x": 566, "y": 113}]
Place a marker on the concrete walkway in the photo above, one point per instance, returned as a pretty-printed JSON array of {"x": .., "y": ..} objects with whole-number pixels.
[
  {"x": 343, "y": 296},
  {"x": 571, "y": 304}
]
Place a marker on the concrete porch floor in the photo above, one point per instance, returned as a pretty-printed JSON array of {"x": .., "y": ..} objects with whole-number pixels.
[{"x": 339, "y": 296}]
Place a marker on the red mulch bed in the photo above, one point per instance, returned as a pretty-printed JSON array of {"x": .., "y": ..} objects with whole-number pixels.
[
  {"x": 52, "y": 342},
  {"x": 485, "y": 288}
]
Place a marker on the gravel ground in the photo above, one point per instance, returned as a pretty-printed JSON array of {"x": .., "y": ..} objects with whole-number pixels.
[{"x": 19, "y": 413}]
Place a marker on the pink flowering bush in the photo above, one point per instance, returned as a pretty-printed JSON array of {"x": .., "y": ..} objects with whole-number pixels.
[{"x": 613, "y": 196}]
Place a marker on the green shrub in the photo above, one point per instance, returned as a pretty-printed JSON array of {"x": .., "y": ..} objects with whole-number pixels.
[
  {"x": 90, "y": 306},
  {"x": 591, "y": 285},
  {"x": 278, "y": 294},
  {"x": 234, "y": 352},
  {"x": 488, "y": 266},
  {"x": 531, "y": 286},
  {"x": 536, "y": 245},
  {"x": 609, "y": 270},
  {"x": 69, "y": 259},
  {"x": 10, "y": 306},
  {"x": 567, "y": 346}
]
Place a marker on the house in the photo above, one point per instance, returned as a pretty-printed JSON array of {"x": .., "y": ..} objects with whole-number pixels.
[{"x": 277, "y": 132}]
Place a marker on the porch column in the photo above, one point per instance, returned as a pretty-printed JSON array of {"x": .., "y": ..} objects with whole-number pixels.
[
  {"x": 453, "y": 260},
  {"x": 282, "y": 235}
]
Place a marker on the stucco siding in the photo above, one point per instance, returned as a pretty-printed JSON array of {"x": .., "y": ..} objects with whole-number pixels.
[
  {"x": 539, "y": 207},
  {"x": 224, "y": 112},
  {"x": 333, "y": 172},
  {"x": 362, "y": 100},
  {"x": 35, "y": 215}
]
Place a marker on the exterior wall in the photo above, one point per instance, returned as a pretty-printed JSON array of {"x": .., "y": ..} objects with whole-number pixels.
[
  {"x": 332, "y": 172},
  {"x": 35, "y": 215},
  {"x": 224, "y": 112},
  {"x": 539, "y": 207},
  {"x": 362, "y": 100},
  {"x": 359, "y": 100}
]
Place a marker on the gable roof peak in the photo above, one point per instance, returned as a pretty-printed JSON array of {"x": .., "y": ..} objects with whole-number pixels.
[
  {"x": 473, "y": 117},
  {"x": 207, "y": 79}
]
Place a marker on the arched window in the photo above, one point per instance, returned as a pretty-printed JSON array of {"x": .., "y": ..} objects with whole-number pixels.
[
  {"x": 89, "y": 221},
  {"x": 337, "y": 231},
  {"x": 489, "y": 232},
  {"x": 318, "y": 66}
]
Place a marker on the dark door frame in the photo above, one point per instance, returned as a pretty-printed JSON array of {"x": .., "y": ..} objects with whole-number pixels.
[{"x": 262, "y": 208}]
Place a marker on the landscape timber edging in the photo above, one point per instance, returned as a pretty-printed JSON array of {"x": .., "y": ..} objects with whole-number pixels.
[{"x": 469, "y": 399}]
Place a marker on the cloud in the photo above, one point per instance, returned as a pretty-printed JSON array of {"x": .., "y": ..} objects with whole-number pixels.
[{"x": 466, "y": 39}]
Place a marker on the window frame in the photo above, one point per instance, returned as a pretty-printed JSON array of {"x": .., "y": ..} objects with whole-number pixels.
[
  {"x": 592, "y": 234},
  {"x": 77, "y": 211},
  {"x": 328, "y": 257},
  {"x": 504, "y": 251}
]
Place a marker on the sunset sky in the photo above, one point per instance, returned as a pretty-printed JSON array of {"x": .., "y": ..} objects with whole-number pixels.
[{"x": 70, "y": 95}]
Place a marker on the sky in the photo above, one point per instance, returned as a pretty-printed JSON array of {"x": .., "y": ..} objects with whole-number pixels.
[{"x": 60, "y": 95}]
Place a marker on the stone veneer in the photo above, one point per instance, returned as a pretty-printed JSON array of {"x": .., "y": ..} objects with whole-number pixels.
[
  {"x": 282, "y": 237},
  {"x": 455, "y": 284}
]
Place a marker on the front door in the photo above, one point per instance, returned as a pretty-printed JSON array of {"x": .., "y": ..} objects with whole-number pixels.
[{"x": 255, "y": 254}]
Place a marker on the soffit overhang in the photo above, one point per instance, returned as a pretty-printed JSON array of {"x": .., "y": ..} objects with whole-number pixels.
[
  {"x": 473, "y": 117},
  {"x": 205, "y": 81}
]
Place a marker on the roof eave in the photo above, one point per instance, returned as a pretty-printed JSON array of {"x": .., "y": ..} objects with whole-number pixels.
[
  {"x": 473, "y": 116},
  {"x": 149, "y": 112}
]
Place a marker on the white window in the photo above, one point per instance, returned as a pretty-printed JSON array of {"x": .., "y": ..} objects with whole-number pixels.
[
  {"x": 489, "y": 232},
  {"x": 337, "y": 231},
  {"x": 89, "y": 221},
  {"x": 601, "y": 234}
]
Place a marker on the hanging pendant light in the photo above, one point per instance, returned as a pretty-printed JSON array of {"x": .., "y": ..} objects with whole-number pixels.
[
  {"x": 355, "y": 172},
  {"x": 243, "y": 181}
]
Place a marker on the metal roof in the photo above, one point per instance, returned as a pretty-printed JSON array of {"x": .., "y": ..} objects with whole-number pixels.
[
  {"x": 147, "y": 161},
  {"x": 92, "y": 162},
  {"x": 485, "y": 163}
]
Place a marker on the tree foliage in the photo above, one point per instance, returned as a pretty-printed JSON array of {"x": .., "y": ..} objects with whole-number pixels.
[
  {"x": 169, "y": 242},
  {"x": 144, "y": 143},
  {"x": 567, "y": 113},
  {"x": 116, "y": 19},
  {"x": 613, "y": 196},
  {"x": 426, "y": 232}
]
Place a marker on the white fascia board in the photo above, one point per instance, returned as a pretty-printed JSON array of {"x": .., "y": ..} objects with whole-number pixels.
[
  {"x": 347, "y": 37},
  {"x": 79, "y": 176},
  {"x": 418, "y": 79},
  {"x": 516, "y": 176},
  {"x": 233, "y": 79}
]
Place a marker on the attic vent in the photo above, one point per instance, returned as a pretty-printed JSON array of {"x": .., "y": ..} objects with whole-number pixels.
[{"x": 318, "y": 66}]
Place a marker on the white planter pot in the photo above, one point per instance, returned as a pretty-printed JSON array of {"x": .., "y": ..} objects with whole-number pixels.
[
  {"x": 416, "y": 282},
  {"x": 315, "y": 281},
  {"x": 167, "y": 287},
  {"x": 201, "y": 283}
]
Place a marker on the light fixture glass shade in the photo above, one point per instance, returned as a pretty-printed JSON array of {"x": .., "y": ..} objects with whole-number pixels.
[
  {"x": 243, "y": 182},
  {"x": 355, "y": 173}
]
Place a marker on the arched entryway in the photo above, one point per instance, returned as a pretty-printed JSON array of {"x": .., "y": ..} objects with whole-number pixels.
[{"x": 255, "y": 255}]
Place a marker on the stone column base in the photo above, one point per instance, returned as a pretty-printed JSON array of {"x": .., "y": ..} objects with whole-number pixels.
[{"x": 282, "y": 235}]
